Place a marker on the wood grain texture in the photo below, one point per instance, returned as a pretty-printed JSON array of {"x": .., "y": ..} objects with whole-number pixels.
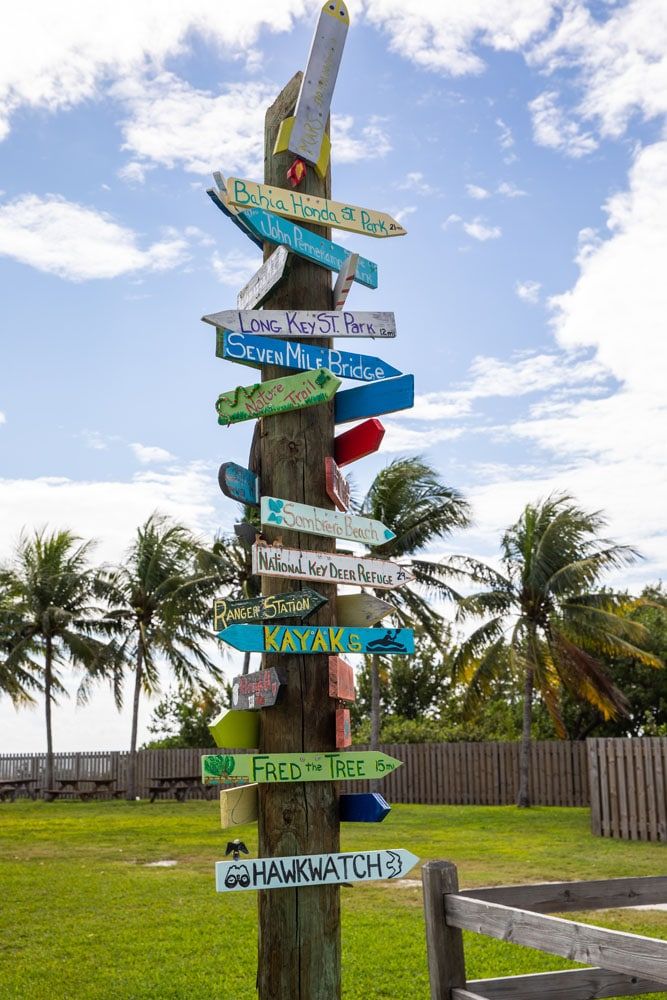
[
  {"x": 572, "y": 984},
  {"x": 444, "y": 943},
  {"x": 630, "y": 954},
  {"x": 563, "y": 897},
  {"x": 299, "y": 929}
]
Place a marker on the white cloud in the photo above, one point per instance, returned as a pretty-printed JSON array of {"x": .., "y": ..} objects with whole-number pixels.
[
  {"x": 135, "y": 172},
  {"x": 372, "y": 141},
  {"x": 3, "y": 418},
  {"x": 148, "y": 454},
  {"x": 480, "y": 231},
  {"x": 414, "y": 181},
  {"x": 401, "y": 214},
  {"x": 234, "y": 268},
  {"x": 399, "y": 438},
  {"x": 76, "y": 242},
  {"x": 479, "y": 193},
  {"x": 551, "y": 128},
  {"x": 505, "y": 137},
  {"x": 528, "y": 291},
  {"x": 509, "y": 190}
]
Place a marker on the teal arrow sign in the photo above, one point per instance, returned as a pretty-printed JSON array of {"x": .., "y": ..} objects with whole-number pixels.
[{"x": 318, "y": 639}]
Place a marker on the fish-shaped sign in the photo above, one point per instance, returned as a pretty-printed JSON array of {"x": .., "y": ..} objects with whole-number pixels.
[
  {"x": 257, "y": 690},
  {"x": 239, "y": 484},
  {"x": 263, "y": 281},
  {"x": 257, "y": 351},
  {"x": 329, "y": 567},
  {"x": 305, "y": 243},
  {"x": 374, "y": 399},
  {"x": 272, "y": 768},
  {"x": 319, "y": 639},
  {"x": 305, "y": 133},
  {"x": 309, "y": 208},
  {"x": 312, "y": 869},
  {"x": 304, "y": 323},
  {"x": 265, "y": 399},
  {"x": 319, "y": 521},
  {"x": 361, "y": 609},
  {"x": 296, "y": 604}
]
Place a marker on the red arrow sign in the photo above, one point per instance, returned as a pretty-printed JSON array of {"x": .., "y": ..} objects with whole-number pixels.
[{"x": 362, "y": 440}]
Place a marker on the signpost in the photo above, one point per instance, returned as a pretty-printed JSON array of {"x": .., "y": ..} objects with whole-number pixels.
[
  {"x": 239, "y": 484},
  {"x": 238, "y": 806},
  {"x": 257, "y": 351},
  {"x": 265, "y": 399},
  {"x": 359, "y": 441},
  {"x": 361, "y": 609},
  {"x": 258, "y": 690},
  {"x": 295, "y": 604},
  {"x": 362, "y": 807},
  {"x": 278, "y": 561},
  {"x": 305, "y": 243},
  {"x": 313, "y": 869},
  {"x": 341, "y": 680},
  {"x": 218, "y": 199},
  {"x": 338, "y": 488},
  {"x": 344, "y": 281},
  {"x": 236, "y": 730},
  {"x": 343, "y": 728},
  {"x": 263, "y": 281},
  {"x": 318, "y": 639},
  {"x": 304, "y": 133},
  {"x": 375, "y": 399},
  {"x": 304, "y": 323},
  {"x": 270, "y": 768},
  {"x": 308, "y": 208},
  {"x": 318, "y": 521}
]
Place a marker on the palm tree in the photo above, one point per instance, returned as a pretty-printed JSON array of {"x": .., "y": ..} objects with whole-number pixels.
[
  {"x": 549, "y": 607},
  {"x": 159, "y": 600},
  {"x": 409, "y": 498},
  {"x": 49, "y": 618},
  {"x": 232, "y": 563}
]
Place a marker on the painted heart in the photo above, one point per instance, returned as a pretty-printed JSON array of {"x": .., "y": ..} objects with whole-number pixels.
[
  {"x": 275, "y": 505},
  {"x": 275, "y": 518}
]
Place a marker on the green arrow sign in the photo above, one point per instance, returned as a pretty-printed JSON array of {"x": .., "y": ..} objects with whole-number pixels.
[
  {"x": 228, "y": 769},
  {"x": 264, "y": 399},
  {"x": 236, "y": 729}
]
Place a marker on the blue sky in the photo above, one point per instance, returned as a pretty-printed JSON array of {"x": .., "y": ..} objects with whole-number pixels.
[{"x": 523, "y": 147}]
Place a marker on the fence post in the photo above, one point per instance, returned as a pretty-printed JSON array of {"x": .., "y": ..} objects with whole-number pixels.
[{"x": 444, "y": 945}]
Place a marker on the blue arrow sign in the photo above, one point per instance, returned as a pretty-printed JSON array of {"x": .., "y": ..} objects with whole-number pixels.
[
  {"x": 307, "y": 244},
  {"x": 213, "y": 195},
  {"x": 318, "y": 639},
  {"x": 363, "y": 807},
  {"x": 374, "y": 399},
  {"x": 257, "y": 351}
]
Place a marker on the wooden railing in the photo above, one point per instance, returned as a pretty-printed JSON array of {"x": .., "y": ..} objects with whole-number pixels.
[{"x": 628, "y": 963}]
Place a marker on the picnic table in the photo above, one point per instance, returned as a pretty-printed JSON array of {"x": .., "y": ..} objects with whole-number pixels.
[
  {"x": 72, "y": 788},
  {"x": 179, "y": 784},
  {"x": 10, "y": 786}
]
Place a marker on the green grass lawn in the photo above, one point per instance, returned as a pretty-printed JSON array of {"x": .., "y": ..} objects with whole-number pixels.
[{"x": 82, "y": 918}]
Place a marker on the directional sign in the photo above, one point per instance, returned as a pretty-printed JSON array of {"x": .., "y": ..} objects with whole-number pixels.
[
  {"x": 218, "y": 199},
  {"x": 306, "y": 244},
  {"x": 247, "y": 533},
  {"x": 344, "y": 281},
  {"x": 239, "y": 484},
  {"x": 343, "y": 728},
  {"x": 319, "y": 521},
  {"x": 312, "y": 869},
  {"x": 263, "y": 281},
  {"x": 239, "y": 805},
  {"x": 305, "y": 133},
  {"x": 318, "y": 639},
  {"x": 361, "y": 807},
  {"x": 258, "y": 351},
  {"x": 341, "y": 680},
  {"x": 375, "y": 399},
  {"x": 308, "y": 208},
  {"x": 276, "y": 560},
  {"x": 236, "y": 729},
  {"x": 258, "y": 690},
  {"x": 362, "y": 440},
  {"x": 304, "y": 323},
  {"x": 265, "y": 399},
  {"x": 338, "y": 488},
  {"x": 296, "y": 604},
  {"x": 224, "y": 769},
  {"x": 361, "y": 609}
]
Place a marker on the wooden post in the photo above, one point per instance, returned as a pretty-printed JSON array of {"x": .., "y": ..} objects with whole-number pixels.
[
  {"x": 299, "y": 929},
  {"x": 444, "y": 945}
]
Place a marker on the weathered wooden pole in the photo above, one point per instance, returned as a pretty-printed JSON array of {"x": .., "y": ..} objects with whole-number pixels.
[{"x": 299, "y": 929}]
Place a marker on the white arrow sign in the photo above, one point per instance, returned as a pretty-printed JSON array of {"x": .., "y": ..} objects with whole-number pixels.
[
  {"x": 261, "y": 283},
  {"x": 330, "y": 567},
  {"x": 290, "y": 323},
  {"x": 319, "y": 521},
  {"x": 312, "y": 869}
]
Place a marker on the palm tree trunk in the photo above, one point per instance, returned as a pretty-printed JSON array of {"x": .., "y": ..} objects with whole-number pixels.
[
  {"x": 48, "y": 681},
  {"x": 246, "y": 662},
  {"x": 132, "y": 760},
  {"x": 375, "y": 702},
  {"x": 523, "y": 798}
]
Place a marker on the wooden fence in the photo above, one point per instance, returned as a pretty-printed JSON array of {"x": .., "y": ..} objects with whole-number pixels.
[
  {"x": 433, "y": 773},
  {"x": 628, "y": 781},
  {"x": 629, "y": 964}
]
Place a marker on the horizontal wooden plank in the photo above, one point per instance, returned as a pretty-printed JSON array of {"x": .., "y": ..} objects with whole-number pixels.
[
  {"x": 631, "y": 954},
  {"x": 574, "y": 984},
  {"x": 466, "y": 995},
  {"x": 563, "y": 897}
]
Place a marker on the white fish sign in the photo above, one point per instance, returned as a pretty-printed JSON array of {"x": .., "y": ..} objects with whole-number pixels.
[
  {"x": 312, "y": 869},
  {"x": 319, "y": 521},
  {"x": 303, "y": 323},
  {"x": 304, "y": 134},
  {"x": 330, "y": 567}
]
